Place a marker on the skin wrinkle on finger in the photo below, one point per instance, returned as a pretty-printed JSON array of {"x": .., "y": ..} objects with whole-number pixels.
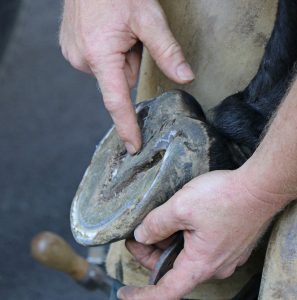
[
  {"x": 166, "y": 50},
  {"x": 100, "y": 59},
  {"x": 113, "y": 28},
  {"x": 169, "y": 61},
  {"x": 89, "y": 51},
  {"x": 119, "y": 42}
]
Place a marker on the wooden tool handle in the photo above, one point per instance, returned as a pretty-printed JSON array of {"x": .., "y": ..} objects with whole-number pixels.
[{"x": 51, "y": 250}]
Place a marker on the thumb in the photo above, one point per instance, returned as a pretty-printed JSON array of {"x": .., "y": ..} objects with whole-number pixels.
[
  {"x": 176, "y": 283},
  {"x": 166, "y": 51},
  {"x": 160, "y": 223}
]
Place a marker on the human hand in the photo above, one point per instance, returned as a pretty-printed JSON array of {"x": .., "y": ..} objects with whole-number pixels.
[
  {"x": 103, "y": 37},
  {"x": 221, "y": 219}
]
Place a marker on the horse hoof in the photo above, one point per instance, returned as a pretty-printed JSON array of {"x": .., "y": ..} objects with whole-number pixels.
[{"x": 118, "y": 190}]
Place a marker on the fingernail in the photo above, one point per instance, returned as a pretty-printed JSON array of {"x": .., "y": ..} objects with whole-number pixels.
[
  {"x": 122, "y": 292},
  {"x": 184, "y": 72},
  {"x": 138, "y": 234},
  {"x": 130, "y": 148}
]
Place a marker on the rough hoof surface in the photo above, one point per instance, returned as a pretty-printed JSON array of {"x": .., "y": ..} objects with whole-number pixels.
[{"x": 118, "y": 190}]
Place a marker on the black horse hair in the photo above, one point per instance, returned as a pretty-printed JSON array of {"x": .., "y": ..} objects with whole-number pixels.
[{"x": 241, "y": 118}]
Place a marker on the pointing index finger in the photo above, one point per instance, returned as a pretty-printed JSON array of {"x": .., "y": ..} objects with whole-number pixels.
[{"x": 116, "y": 97}]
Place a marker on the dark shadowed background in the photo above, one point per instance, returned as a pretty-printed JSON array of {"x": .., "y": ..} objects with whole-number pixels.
[{"x": 51, "y": 118}]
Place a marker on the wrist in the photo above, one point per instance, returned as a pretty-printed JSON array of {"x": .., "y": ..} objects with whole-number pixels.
[{"x": 266, "y": 196}]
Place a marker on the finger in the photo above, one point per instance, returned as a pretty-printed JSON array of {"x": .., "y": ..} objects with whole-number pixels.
[
  {"x": 156, "y": 226},
  {"x": 132, "y": 65},
  {"x": 163, "y": 221},
  {"x": 165, "y": 50},
  {"x": 174, "y": 285},
  {"x": 116, "y": 97},
  {"x": 146, "y": 255},
  {"x": 163, "y": 245}
]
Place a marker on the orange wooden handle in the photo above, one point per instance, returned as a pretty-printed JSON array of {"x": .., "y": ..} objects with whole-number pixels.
[{"x": 51, "y": 250}]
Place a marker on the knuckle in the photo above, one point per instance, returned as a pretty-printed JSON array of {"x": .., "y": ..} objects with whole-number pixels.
[
  {"x": 181, "y": 208},
  {"x": 225, "y": 273},
  {"x": 152, "y": 224},
  {"x": 179, "y": 211},
  {"x": 169, "y": 50},
  {"x": 243, "y": 260},
  {"x": 76, "y": 61},
  {"x": 92, "y": 50}
]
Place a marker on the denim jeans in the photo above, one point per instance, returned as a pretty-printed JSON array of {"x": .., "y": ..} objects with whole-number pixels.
[{"x": 115, "y": 287}]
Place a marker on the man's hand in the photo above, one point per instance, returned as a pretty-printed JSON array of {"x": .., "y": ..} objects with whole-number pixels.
[
  {"x": 222, "y": 213},
  {"x": 222, "y": 221},
  {"x": 103, "y": 37}
]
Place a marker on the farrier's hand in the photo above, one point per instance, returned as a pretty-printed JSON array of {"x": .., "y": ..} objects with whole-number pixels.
[
  {"x": 222, "y": 220},
  {"x": 102, "y": 37}
]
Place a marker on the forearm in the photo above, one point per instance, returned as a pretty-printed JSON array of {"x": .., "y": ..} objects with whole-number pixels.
[{"x": 271, "y": 173}]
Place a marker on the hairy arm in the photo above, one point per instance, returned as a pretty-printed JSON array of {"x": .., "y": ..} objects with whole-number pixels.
[{"x": 222, "y": 214}]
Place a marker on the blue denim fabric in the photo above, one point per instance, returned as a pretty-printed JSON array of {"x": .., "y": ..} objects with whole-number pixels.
[{"x": 115, "y": 287}]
